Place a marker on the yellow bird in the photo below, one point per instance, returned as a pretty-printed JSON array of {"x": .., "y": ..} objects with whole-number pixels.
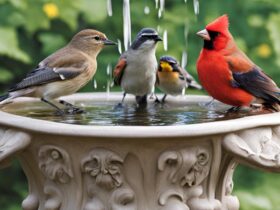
[{"x": 172, "y": 79}]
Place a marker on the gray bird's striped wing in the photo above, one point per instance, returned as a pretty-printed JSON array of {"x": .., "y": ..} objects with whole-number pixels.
[{"x": 45, "y": 74}]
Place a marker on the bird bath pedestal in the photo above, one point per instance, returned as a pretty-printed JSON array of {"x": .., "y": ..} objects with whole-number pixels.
[{"x": 77, "y": 167}]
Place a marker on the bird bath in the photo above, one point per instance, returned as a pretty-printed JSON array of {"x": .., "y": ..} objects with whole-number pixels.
[{"x": 151, "y": 166}]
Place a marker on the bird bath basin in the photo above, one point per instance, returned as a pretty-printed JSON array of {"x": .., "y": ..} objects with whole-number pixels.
[{"x": 177, "y": 156}]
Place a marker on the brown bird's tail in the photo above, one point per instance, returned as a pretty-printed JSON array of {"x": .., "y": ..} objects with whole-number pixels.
[{"x": 4, "y": 99}]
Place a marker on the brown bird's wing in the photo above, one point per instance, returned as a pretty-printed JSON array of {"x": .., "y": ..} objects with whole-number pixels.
[
  {"x": 258, "y": 84},
  {"x": 119, "y": 70},
  {"x": 65, "y": 68}
]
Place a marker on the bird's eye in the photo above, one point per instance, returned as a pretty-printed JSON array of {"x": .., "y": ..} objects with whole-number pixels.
[{"x": 97, "y": 38}]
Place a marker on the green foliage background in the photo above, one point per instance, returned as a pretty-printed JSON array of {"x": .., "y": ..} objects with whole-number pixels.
[{"x": 28, "y": 34}]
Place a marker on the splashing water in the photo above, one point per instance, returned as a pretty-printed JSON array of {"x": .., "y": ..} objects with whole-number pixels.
[
  {"x": 109, "y": 70},
  {"x": 120, "y": 46},
  {"x": 165, "y": 40},
  {"x": 183, "y": 91},
  {"x": 94, "y": 84},
  {"x": 156, "y": 1},
  {"x": 126, "y": 24},
  {"x": 109, "y": 8},
  {"x": 196, "y": 6},
  {"x": 184, "y": 60},
  {"x": 158, "y": 28},
  {"x": 147, "y": 10},
  {"x": 162, "y": 4},
  {"x": 108, "y": 88}
]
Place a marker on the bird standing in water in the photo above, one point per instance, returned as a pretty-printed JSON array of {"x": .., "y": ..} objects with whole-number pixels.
[
  {"x": 63, "y": 72},
  {"x": 228, "y": 75},
  {"x": 172, "y": 79},
  {"x": 136, "y": 68}
]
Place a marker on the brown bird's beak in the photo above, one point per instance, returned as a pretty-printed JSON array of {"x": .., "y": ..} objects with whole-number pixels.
[
  {"x": 204, "y": 34},
  {"x": 109, "y": 42}
]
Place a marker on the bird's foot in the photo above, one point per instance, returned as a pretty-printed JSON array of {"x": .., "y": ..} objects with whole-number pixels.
[
  {"x": 71, "y": 109},
  {"x": 233, "y": 109},
  {"x": 119, "y": 106},
  {"x": 157, "y": 101}
]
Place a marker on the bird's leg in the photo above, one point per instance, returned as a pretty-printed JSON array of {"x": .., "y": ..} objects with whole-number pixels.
[
  {"x": 72, "y": 109},
  {"x": 157, "y": 100},
  {"x": 163, "y": 98},
  {"x": 233, "y": 109},
  {"x": 124, "y": 94},
  {"x": 60, "y": 111},
  {"x": 120, "y": 105}
]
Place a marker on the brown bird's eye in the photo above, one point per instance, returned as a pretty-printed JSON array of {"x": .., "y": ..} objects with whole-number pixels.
[{"x": 97, "y": 38}]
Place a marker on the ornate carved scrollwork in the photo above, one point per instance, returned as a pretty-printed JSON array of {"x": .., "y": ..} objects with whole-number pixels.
[
  {"x": 259, "y": 147},
  {"x": 12, "y": 141},
  {"x": 105, "y": 182},
  {"x": 180, "y": 178},
  {"x": 55, "y": 163}
]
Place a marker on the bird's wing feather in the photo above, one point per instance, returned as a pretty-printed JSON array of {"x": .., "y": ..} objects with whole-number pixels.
[
  {"x": 239, "y": 62},
  {"x": 45, "y": 74},
  {"x": 257, "y": 83},
  {"x": 119, "y": 70}
]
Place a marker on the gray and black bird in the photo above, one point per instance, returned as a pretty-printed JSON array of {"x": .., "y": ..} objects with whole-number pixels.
[
  {"x": 172, "y": 79},
  {"x": 63, "y": 72},
  {"x": 135, "y": 71}
]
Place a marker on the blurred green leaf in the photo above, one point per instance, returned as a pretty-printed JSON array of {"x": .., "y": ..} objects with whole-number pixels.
[
  {"x": 68, "y": 12},
  {"x": 34, "y": 16},
  {"x": 5, "y": 75},
  {"x": 51, "y": 42},
  {"x": 9, "y": 45},
  {"x": 274, "y": 29},
  {"x": 94, "y": 11},
  {"x": 250, "y": 201}
]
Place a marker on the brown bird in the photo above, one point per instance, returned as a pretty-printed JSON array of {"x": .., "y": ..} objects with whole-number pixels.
[{"x": 63, "y": 72}]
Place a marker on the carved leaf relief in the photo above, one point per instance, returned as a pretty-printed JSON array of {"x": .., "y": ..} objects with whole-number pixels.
[
  {"x": 258, "y": 146},
  {"x": 104, "y": 166},
  {"x": 12, "y": 141},
  {"x": 55, "y": 163},
  {"x": 184, "y": 170}
]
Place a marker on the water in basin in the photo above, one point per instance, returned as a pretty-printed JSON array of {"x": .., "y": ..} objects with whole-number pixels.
[{"x": 107, "y": 113}]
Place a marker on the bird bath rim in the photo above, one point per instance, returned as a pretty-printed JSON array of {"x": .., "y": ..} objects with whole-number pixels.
[{"x": 190, "y": 130}]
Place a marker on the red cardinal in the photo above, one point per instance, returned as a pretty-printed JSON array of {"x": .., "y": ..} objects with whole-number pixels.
[{"x": 228, "y": 75}]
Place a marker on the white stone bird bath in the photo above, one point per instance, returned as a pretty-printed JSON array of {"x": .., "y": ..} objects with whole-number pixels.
[{"x": 78, "y": 167}]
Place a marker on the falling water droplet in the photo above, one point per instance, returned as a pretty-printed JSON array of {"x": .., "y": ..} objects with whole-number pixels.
[
  {"x": 184, "y": 60},
  {"x": 109, "y": 8},
  {"x": 161, "y": 8},
  {"x": 109, "y": 69},
  {"x": 186, "y": 32},
  {"x": 196, "y": 6},
  {"x": 120, "y": 46},
  {"x": 94, "y": 84},
  {"x": 147, "y": 10},
  {"x": 183, "y": 91},
  {"x": 108, "y": 88},
  {"x": 156, "y": 1},
  {"x": 185, "y": 1},
  {"x": 159, "y": 13},
  {"x": 165, "y": 40},
  {"x": 126, "y": 24},
  {"x": 158, "y": 28}
]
